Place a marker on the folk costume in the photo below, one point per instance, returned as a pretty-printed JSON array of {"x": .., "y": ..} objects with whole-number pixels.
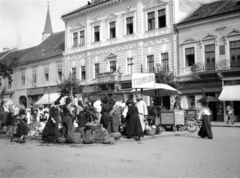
[{"x": 142, "y": 110}]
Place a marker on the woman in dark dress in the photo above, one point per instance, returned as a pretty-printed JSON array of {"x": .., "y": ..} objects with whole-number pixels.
[
  {"x": 134, "y": 128},
  {"x": 105, "y": 113},
  {"x": 81, "y": 115},
  {"x": 204, "y": 115},
  {"x": 49, "y": 131}
]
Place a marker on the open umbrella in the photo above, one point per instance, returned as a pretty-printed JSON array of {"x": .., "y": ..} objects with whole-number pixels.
[{"x": 208, "y": 99}]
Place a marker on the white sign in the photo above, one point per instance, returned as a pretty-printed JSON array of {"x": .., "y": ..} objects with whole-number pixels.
[{"x": 143, "y": 80}]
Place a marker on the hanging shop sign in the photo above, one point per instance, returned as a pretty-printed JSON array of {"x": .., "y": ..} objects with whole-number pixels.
[
  {"x": 143, "y": 80},
  {"x": 190, "y": 114},
  {"x": 37, "y": 91}
]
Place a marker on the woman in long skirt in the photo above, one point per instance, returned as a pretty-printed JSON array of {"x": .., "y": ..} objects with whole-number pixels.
[
  {"x": 116, "y": 114},
  {"x": 204, "y": 115},
  {"x": 49, "y": 131},
  {"x": 105, "y": 112},
  {"x": 134, "y": 128},
  {"x": 81, "y": 115}
]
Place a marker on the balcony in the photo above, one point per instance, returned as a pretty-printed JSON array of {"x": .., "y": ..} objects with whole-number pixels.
[
  {"x": 109, "y": 77},
  {"x": 223, "y": 64}
]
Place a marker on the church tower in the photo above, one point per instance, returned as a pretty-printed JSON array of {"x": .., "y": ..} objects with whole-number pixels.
[{"x": 48, "y": 26}]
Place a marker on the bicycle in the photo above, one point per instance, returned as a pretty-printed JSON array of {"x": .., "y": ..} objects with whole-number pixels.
[{"x": 191, "y": 125}]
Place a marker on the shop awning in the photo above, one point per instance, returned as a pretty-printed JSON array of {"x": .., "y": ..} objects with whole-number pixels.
[
  {"x": 48, "y": 98},
  {"x": 230, "y": 93}
]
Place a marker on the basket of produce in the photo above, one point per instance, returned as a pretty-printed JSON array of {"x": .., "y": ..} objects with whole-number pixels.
[
  {"x": 74, "y": 138},
  {"x": 93, "y": 126},
  {"x": 116, "y": 135},
  {"x": 150, "y": 132},
  {"x": 62, "y": 140}
]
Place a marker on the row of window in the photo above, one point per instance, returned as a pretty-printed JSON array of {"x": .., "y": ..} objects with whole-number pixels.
[
  {"x": 113, "y": 66},
  {"x": 79, "y": 37},
  {"x": 210, "y": 53},
  {"x": 34, "y": 77}
]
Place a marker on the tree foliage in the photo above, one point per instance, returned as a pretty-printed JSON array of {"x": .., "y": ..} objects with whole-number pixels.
[
  {"x": 7, "y": 68},
  {"x": 70, "y": 84},
  {"x": 165, "y": 76}
]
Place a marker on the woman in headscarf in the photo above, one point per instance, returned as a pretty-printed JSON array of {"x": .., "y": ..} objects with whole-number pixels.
[
  {"x": 204, "y": 115},
  {"x": 116, "y": 114},
  {"x": 134, "y": 127},
  {"x": 81, "y": 115},
  {"x": 105, "y": 112}
]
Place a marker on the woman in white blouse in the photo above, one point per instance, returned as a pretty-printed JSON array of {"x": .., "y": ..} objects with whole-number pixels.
[{"x": 204, "y": 115}]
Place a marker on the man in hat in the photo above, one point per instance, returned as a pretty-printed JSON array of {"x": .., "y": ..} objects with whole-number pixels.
[
  {"x": 177, "y": 103},
  {"x": 67, "y": 119},
  {"x": 142, "y": 110}
]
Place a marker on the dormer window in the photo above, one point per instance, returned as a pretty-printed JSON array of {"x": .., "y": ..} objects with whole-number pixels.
[
  {"x": 161, "y": 18},
  {"x": 151, "y": 21},
  {"x": 112, "y": 29}
]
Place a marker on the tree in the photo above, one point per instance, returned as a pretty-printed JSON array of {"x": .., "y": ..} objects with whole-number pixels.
[
  {"x": 70, "y": 86},
  {"x": 165, "y": 76},
  {"x": 7, "y": 68}
]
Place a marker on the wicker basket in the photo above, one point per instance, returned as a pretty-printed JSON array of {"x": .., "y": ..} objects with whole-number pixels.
[
  {"x": 74, "y": 138},
  {"x": 62, "y": 140},
  {"x": 117, "y": 137},
  {"x": 150, "y": 132},
  {"x": 93, "y": 127}
]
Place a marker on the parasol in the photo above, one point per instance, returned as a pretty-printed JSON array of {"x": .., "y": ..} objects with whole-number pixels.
[{"x": 208, "y": 99}]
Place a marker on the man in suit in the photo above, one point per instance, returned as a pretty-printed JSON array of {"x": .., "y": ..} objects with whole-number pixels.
[
  {"x": 67, "y": 119},
  {"x": 56, "y": 118}
]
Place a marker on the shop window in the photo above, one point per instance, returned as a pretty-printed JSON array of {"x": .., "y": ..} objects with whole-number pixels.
[
  {"x": 23, "y": 79},
  {"x": 113, "y": 66},
  {"x": 74, "y": 73},
  {"x": 222, "y": 49},
  {"x": 96, "y": 34},
  {"x": 161, "y": 18},
  {"x": 164, "y": 57},
  {"x": 75, "y": 39},
  {"x": 151, "y": 21},
  {"x": 34, "y": 78},
  {"x": 235, "y": 50},
  {"x": 190, "y": 57},
  {"x": 82, "y": 37},
  {"x": 129, "y": 65},
  {"x": 236, "y": 107},
  {"x": 83, "y": 73},
  {"x": 150, "y": 64},
  {"x": 97, "y": 69},
  {"x": 129, "y": 25},
  {"x": 112, "y": 29}
]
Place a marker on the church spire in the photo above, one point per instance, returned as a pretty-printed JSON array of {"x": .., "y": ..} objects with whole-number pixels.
[{"x": 48, "y": 26}]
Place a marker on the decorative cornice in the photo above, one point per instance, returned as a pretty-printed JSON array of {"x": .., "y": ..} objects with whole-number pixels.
[
  {"x": 209, "y": 37},
  {"x": 234, "y": 32},
  {"x": 77, "y": 27},
  {"x": 155, "y": 4},
  {"x": 85, "y": 10},
  {"x": 189, "y": 40}
]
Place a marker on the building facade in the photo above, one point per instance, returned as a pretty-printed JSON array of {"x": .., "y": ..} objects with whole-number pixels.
[
  {"x": 108, "y": 40},
  {"x": 209, "y": 57}
]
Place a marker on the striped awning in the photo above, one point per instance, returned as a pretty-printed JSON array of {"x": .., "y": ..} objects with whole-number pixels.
[{"x": 230, "y": 93}]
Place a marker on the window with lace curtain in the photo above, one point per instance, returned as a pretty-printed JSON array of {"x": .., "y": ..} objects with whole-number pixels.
[
  {"x": 75, "y": 39},
  {"x": 151, "y": 21},
  {"x": 190, "y": 56},
  {"x": 210, "y": 54},
  {"x": 235, "y": 51}
]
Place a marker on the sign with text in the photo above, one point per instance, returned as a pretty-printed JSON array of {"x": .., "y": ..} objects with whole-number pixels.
[
  {"x": 143, "y": 80},
  {"x": 190, "y": 114}
]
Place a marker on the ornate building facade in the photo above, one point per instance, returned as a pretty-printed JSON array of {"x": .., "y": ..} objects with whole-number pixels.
[
  {"x": 209, "y": 57},
  {"x": 108, "y": 40}
]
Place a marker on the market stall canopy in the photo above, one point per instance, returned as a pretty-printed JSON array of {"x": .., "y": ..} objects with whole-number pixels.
[
  {"x": 161, "y": 90},
  {"x": 48, "y": 98},
  {"x": 230, "y": 93}
]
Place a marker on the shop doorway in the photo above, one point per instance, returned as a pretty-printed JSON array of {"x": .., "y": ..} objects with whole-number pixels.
[{"x": 23, "y": 101}]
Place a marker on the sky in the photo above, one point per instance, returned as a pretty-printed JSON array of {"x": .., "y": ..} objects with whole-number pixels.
[{"x": 22, "y": 21}]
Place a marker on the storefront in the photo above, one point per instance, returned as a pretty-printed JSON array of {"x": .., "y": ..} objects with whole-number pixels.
[
  {"x": 193, "y": 90},
  {"x": 230, "y": 95}
]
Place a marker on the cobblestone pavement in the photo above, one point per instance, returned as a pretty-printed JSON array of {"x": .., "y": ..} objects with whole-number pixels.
[{"x": 177, "y": 156}]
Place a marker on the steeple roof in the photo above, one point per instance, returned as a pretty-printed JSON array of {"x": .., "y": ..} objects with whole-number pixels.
[{"x": 48, "y": 24}]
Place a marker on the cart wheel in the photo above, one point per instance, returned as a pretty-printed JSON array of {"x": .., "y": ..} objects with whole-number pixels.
[
  {"x": 174, "y": 128},
  {"x": 192, "y": 125}
]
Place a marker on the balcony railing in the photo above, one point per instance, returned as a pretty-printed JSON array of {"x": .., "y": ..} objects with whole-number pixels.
[
  {"x": 222, "y": 64},
  {"x": 109, "y": 77}
]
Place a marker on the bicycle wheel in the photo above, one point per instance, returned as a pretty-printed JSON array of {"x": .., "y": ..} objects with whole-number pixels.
[{"x": 192, "y": 125}]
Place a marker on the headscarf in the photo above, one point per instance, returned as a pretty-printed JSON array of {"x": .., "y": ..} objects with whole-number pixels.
[{"x": 15, "y": 110}]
